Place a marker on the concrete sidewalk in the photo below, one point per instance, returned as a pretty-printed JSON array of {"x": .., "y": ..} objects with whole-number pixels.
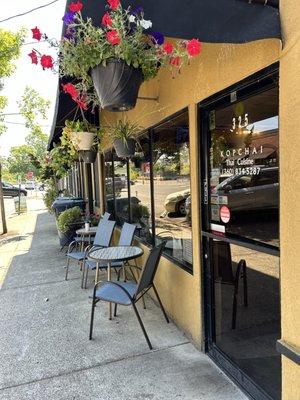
[{"x": 44, "y": 348}]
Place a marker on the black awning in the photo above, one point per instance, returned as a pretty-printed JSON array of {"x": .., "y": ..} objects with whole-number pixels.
[{"x": 211, "y": 21}]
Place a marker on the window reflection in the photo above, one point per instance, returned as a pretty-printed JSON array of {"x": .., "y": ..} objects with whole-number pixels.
[
  {"x": 139, "y": 167},
  {"x": 171, "y": 169},
  {"x": 245, "y": 167},
  {"x": 247, "y": 314}
]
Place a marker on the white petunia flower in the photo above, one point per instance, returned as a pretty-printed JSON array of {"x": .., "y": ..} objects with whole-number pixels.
[
  {"x": 131, "y": 18},
  {"x": 146, "y": 24}
]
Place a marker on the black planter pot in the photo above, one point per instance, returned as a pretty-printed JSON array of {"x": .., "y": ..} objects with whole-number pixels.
[
  {"x": 88, "y": 156},
  {"x": 117, "y": 85},
  {"x": 66, "y": 238},
  {"x": 126, "y": 149}
]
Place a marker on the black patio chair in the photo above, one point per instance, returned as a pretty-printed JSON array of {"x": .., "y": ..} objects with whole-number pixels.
[
  {"x": 126, "y": 239},
  {"x": 102, "y": 239},
  {"x": 129, "y": 293},
  {"x": 223, "y": 273}
]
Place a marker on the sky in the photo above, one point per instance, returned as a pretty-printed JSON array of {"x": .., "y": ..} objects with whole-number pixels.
[{"x": 48, "y": 20}]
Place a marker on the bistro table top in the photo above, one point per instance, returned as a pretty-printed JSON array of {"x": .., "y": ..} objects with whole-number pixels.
[
  {"x": 116, "y": 253},
  {"x": 83, "y": 232}
]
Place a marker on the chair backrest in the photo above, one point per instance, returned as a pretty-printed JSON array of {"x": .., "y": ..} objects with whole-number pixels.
[
  {"x": 222, "y": 262},
  {"x": 127, "y": 234},
  {"x": 104, "y": 233},
  {"x": 150, "y": 268},
  {"x": 105, "y": 216}
]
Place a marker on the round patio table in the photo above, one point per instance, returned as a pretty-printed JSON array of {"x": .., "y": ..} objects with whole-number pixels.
[
  {"x": 111, "y": 254},
  {"x": 86, "y": 235}
]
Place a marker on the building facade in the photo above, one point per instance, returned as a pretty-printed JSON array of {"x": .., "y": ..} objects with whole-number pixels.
[{"x": 215, "y": 175}]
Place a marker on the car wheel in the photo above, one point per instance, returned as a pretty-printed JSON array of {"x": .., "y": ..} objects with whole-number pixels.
[{"x": 181, "y": 208}]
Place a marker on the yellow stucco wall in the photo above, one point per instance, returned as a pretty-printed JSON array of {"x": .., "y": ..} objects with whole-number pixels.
[
  {"x": 218, "y": 67},
  {"x": 289, "y": 195}
]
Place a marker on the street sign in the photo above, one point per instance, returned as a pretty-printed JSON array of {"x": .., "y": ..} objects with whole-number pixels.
[{"x": 30, "y": 175}]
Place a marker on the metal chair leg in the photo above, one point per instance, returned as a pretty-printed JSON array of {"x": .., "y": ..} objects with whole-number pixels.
[
  {"x": 245, "y": 285},
  {"x": 67, "y": 268},
  {"x": 234, "y": 305},
  {"x": 86, "y": 277},
  {"x": 83, "y": 274},
  {"x": 115, "y": 310},
  {"x": 142, "y": 326},
  {"x": 92, "y": 320},
  {"x": 160, "y": 303}
]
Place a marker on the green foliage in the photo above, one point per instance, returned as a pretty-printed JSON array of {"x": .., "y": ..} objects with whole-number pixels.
[
  {"x": 138, "y": 212},
  {"x": 20, "y": 162},
  {"x": 32, "y": 105},
  {"x": 69, "y": 217},
  {"x": 124, "y": 130},
  {"x": 50, "y": 196},
  {"x": 10, "y": 44}
]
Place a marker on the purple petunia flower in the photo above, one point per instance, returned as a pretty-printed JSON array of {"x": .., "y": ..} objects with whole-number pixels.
[
  {"x": 70, "y": 33},
  {"x": 158, "y": 38},
  {"x": 68, "y": 18}
]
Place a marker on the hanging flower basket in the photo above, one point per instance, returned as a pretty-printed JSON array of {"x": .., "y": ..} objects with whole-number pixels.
[
  {"x": 124, "y": 148},
  {"x": 126, "y": 50},
  {"x": 88, "y": 156},
  {"x": 117, "y": 85},
  {"x": 82, "y": 140}
]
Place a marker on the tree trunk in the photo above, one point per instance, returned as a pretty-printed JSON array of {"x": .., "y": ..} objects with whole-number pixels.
[{"x": 2, "y": 209}]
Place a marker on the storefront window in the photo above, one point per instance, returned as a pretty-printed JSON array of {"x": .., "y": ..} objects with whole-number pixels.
[
  {"x": 172, "y": 195},
  {"x": 244, "y": 164},
  {"x": 162, "y": 154},
  {"x": 139, "y": 167},
  {"x": 96, "y": 183},
  {"x": 109, "y": 184}
]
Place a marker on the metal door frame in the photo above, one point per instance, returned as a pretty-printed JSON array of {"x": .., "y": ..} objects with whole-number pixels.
[{"x": 255, "y": 84}]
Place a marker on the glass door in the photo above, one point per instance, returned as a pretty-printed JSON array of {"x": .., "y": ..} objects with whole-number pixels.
[{"x": 240, "y": 204}]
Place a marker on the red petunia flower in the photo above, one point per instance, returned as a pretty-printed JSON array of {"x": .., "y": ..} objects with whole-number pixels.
[
  {"x": 46, "y": 61},
  {"x": 175, "y": 61},
  {"x": 33, "y": 56},
  {"x": 75, "y": 7},
  {"x": 71, "y": 90},
  {"x": 168, "y": 47},
  {"x": 113, "y": 4},
  {"x": 36, "y": 33},
  {"x": 194, "y": 47},
  {"x": 113, "y": 37},
  {"x": 106, "y": 20}
]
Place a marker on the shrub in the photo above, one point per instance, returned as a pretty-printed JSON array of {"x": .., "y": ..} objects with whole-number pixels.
[
  {"x": 69, "y": 217},
  {"x": 49, "y": 197}
]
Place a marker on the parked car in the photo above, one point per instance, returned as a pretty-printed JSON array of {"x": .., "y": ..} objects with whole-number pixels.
[
  {"x": 175, "y": 202},
  {"x": 10, "y": 190},
  {"x": 29, "y": 185},
  {"x": 249, "y": 192}
]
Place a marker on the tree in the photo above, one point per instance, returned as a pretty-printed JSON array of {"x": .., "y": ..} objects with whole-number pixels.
[
  {"x": 30, "y": 156},
  {"x": 10, "y": 44},
  {"x": 19, "y": 161}
]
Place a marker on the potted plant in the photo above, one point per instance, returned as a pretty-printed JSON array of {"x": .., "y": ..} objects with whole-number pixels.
[
  {"x": 67, "y": 223},
  {"x": 109, "y": 62},
  {"x": 123, "y": 134},
  {"x": 81, "y": 134}
]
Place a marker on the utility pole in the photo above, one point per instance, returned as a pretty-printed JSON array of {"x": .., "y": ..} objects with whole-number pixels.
[{"x": 2, "y": 209}]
